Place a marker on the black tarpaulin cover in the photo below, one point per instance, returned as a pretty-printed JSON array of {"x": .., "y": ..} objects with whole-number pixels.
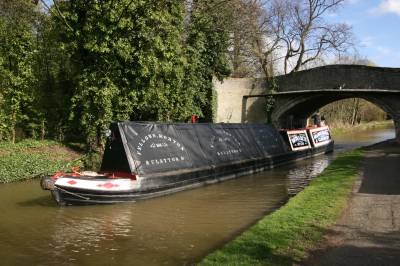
[{"x": 146, "y": 147}]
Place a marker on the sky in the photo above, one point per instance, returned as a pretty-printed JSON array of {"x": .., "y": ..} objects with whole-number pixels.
[{"x": 376, "y": 26}]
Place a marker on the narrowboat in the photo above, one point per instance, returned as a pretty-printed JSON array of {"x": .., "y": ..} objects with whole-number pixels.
[{"x": 144, "y": 159}]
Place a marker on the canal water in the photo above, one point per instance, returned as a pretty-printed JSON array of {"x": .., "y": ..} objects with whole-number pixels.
[{"x": 178, "y": 229}]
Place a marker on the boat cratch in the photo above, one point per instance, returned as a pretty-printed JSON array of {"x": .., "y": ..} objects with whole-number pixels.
[{"x": 145, "y": 159}]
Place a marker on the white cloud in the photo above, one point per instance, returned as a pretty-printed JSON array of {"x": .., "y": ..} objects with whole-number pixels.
[
  {"x": 367, "y": 41},
  {"x": 387, "y": 6}
]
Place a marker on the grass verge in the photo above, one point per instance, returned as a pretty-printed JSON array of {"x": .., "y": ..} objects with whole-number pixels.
[
  {"x": 31, "y": 158},
  {"x": 343, "y": 129},
  {"x": 283, "y": 237}
]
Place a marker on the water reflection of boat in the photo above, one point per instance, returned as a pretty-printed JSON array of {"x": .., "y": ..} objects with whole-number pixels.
[
  {"x": 144, "y": 160},
  {"x": 300, "y": 176}
]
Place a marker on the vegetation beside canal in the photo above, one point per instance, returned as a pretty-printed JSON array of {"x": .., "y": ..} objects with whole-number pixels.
[
  {"x": 339, "y": 129},
  {"x": 31, "y": 158},
  {"x": 284, "y": 237}
]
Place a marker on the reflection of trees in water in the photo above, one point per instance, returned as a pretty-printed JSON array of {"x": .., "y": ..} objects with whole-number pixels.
[{"x": 299, "y": 177}]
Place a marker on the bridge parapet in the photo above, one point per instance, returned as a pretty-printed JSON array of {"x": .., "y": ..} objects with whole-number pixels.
[{"x": 341, "y": 77}]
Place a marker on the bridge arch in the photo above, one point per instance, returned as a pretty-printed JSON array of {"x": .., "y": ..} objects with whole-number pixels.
[
  {"x": 293, "y": 110},
  {"x": 301, "y": 93}
]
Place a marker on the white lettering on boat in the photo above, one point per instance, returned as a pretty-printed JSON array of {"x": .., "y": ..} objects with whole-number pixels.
[
  {"x": 164, "y": 160},
  {"x": 156, "y": 144}
]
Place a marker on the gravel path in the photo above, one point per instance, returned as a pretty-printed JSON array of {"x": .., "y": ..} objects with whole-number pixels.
[{"x": 368, "y": 233}]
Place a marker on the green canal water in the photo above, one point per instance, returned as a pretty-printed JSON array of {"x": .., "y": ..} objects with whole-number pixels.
[{"x": 178, "y": 229}]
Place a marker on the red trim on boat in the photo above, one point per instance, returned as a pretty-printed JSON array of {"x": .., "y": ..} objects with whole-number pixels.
[
  {"x": 72, "y": 182},
  {"x": 296, "y": 131},
  {"x": 119, "y": 175},
  {"x": 108, "y": 185},
  {"x": 57, "y": 175}
]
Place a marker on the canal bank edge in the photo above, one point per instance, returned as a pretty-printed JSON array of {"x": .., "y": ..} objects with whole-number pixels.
[{"x": 285, "y": 236}]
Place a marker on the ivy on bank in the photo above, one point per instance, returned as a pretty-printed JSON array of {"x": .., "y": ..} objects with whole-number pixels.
[{"x": 30, "y": 158}]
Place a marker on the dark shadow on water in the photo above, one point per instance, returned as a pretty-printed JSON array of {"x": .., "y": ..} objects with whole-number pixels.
[{"x": 45, "y": 201}]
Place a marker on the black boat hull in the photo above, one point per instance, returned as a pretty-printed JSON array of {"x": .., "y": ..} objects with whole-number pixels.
[{"x": 162, "y": 184}]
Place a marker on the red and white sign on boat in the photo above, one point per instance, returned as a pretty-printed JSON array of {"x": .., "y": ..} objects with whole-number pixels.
[
  {"x": 320, "y": 136},
  {"x": 298, "y": 139}
]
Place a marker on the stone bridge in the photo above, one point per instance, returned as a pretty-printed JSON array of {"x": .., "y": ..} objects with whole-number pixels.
[{"x": 300, "y": 94}]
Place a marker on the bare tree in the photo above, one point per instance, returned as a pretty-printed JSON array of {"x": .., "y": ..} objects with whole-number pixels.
[
  {"x": 267, "y": 32},
  {"x": 266, "y": 40},
  {"x": 254, "y": 38},
  {"x": 353, "y": 59},
  {"x": 307, "y": 36},
  {"x": 245, "y": 33}
]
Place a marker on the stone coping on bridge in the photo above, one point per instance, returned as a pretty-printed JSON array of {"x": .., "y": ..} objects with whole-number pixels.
[{"x": 341, "y": 77}]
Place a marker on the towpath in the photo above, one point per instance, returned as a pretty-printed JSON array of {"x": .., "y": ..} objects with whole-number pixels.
[{"x": 368, "y": 233}]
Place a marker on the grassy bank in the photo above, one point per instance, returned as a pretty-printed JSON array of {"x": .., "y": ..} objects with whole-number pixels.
[
  {"x": 284, "y": 236},
  {"x": 342, "y": 129},
  {"x": 30, "y": 158}
]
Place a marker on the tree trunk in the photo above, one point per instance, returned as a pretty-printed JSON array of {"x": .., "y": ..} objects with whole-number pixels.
[
  {"x": 13, "y": 133},
  {"x": 236, "y": 54},
  {"x": 43, "y": 131},
  {"x": 356, "y": 104}
]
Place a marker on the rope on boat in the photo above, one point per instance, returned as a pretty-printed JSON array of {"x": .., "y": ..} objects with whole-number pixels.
[{"x": 74, "y": 194}]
